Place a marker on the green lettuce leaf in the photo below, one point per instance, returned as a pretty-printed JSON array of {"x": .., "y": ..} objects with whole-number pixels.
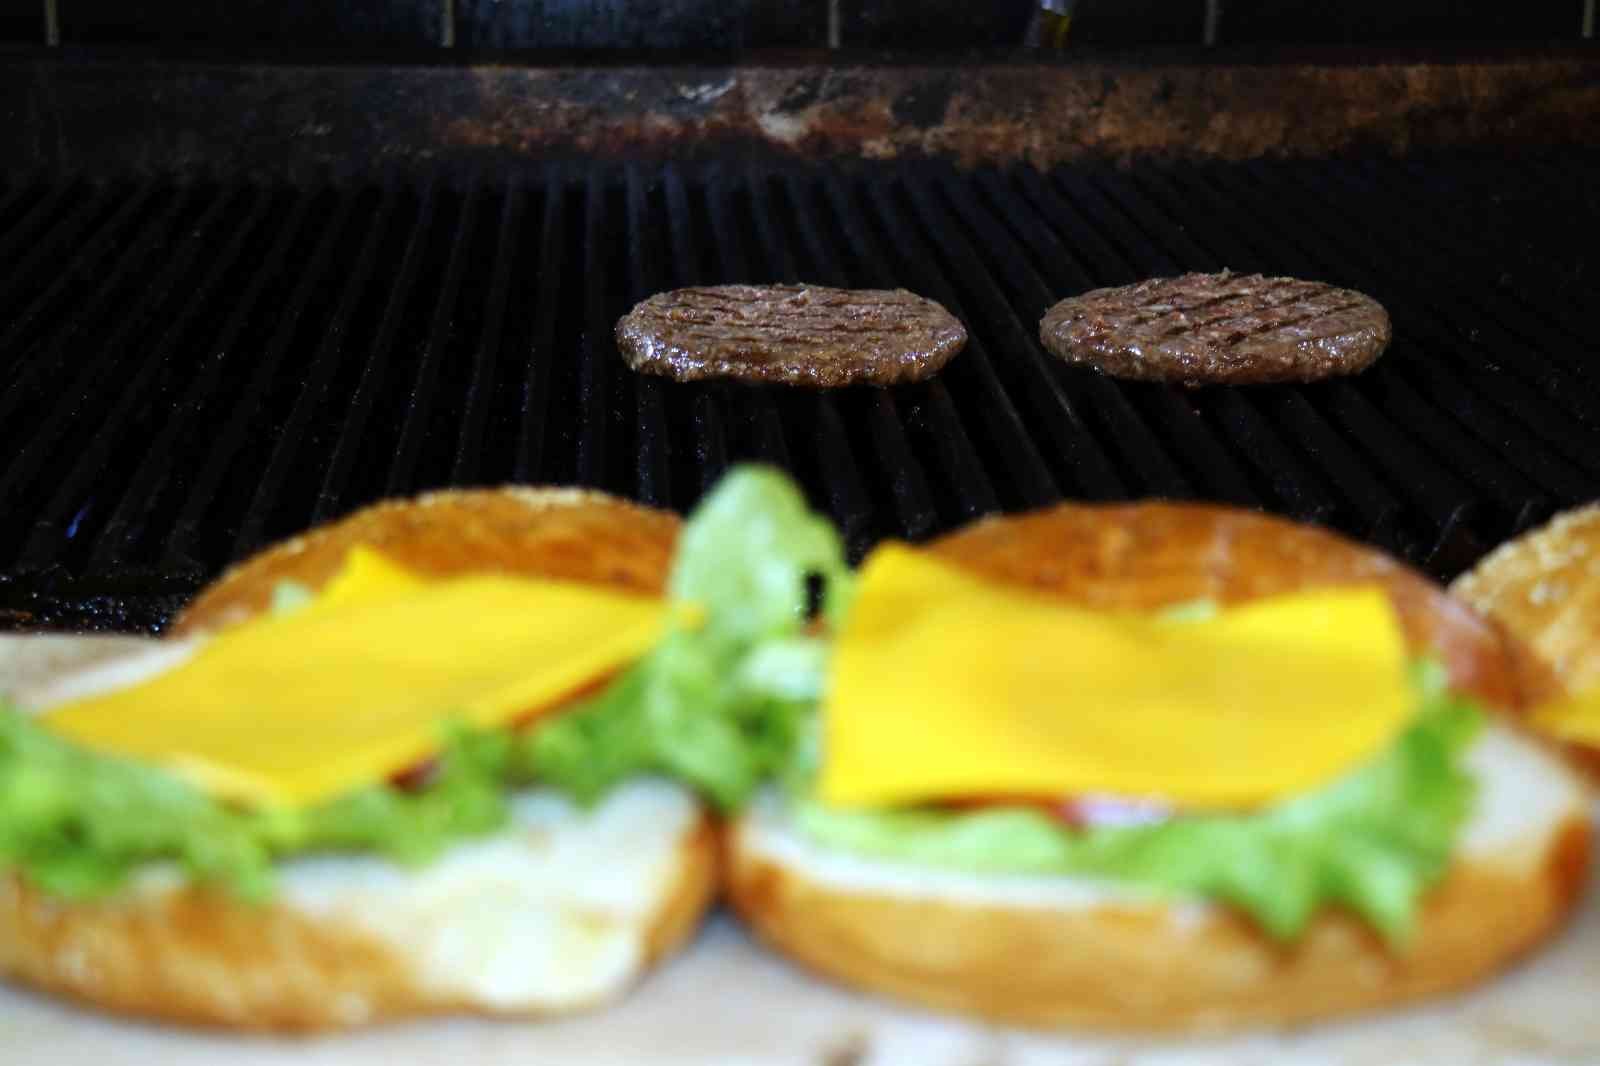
[
  {"x": 77, "y": 823},
  {"x": 1372, "y": 842},
  {"x": 723, "y": 705}
]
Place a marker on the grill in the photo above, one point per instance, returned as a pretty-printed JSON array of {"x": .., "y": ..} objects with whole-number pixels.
[{"x": 192, "y": 368}]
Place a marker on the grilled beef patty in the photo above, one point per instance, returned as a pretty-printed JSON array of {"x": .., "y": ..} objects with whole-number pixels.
[
  {"x": 1222, "y": 329},
  {"x": 791, "y": 334}
]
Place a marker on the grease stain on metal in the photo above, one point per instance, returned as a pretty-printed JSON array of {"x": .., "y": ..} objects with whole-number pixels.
[{"x": 926, "y": 105}]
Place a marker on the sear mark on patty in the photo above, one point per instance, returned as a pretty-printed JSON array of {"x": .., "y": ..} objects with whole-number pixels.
[{"x": 1219, "y": 329}]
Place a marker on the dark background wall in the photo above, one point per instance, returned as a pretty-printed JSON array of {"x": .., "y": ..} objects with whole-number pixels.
[{"x": 741, "y": 24}]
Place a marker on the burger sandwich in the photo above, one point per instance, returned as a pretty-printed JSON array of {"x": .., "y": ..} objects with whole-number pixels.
[{"x": 456, "y": 753}]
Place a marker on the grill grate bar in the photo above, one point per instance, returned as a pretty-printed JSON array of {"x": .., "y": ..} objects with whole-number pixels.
[
  {"x": 908, "y": 480},
  {"x": 247, "y": 420},
  {"x": 1444, "y": 495},
  {"x": 1303, "y": 493},
  {"x": 330, "y": 355},
  {"x": 86, "y": 264},
  {"x": 1420, "y": 417},
  {"x": 1133, "y": 204},
  {"x": 913, "y": 498},
  {"x": 188, "y": 371},
  {"x": 1501, "y": 431},
  {"x": 469, "y": 444},
  {"x": 1557, "y": 322},
  {"x": 1478, "y": 464},
  {"x": 949, "y": 436},
  {"x": 1494, "y": 422},
  {"x": 52, "y": 353},
  {"x": 25, "y": 234},
  {"x": 27, "y": 389},
  {"x": 711, "y": 437},
  {"x": 1483, "y": 424},
  {"x": 1569, "y": 181},
  {"x": 533, "y": 429},
  {"x": 69, "y": 272},
  {"x": 1155, "y": 473},
  {"x": 425, "y": 390},
  {"x": 121, "y": 532},
  {"x": 709, "y": 419},
  {"x": 48, "y": 248},
  {"x": 1495, "y": 246},
  {"x": 1025, "y": 467},
  {"x": 943, "y": 429},
  {"x": 851, "y": 503},
  {"x": 1123, "y": 232},
  {"x": 1172, "y": 408},
  {"x": 594, "y": 347},
  {"x": 14, "y": 200},
  {"x": 1444, "y": 498},
  {"x": 1210, "y": 462},
  {"x": 1036, "y": 484},
  {"x": 1491, "y": 358},
  {"x": 1442, "y": 312},
  {"x": 1216, "y": 244},
  {"x": 1091, "y": 260},
  {"x": 1382, "y": 516},
  {"x": 779, "y": 256},
  {"x": 852, "y": 507},
  {"x": 1069, "y": 430},
  {"x": 332, "y": 497},
  {"x": 654, "y": 479},
  {"x": 765, "y": 425},
  {"x": 65, "y": 504}
]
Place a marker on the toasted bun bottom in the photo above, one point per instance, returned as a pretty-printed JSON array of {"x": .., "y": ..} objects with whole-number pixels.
[
  {"x": 553, "y": 916},
  {"x": 1064, "y": 952},
  {"x": 561, "y": 911}
]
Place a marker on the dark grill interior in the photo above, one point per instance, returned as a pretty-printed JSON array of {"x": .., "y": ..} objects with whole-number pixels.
[{"x": 189, "y": 369}]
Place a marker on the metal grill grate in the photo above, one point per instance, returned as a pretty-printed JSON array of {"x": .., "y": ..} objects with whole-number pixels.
[{"x": 190, "y": 370}]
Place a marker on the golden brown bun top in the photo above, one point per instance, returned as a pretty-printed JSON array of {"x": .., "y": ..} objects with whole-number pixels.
[
  {"x": 571, "y": 534},
  {"x": 1147, "y": 555},
  {"x": 1544, "y": 588}
]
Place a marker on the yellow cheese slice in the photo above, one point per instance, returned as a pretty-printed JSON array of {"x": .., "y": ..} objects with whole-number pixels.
[
  {"x": 1574, "y": 718},
  {"x": 297, "y": 708},
  {"x": 946, "y": 686}
]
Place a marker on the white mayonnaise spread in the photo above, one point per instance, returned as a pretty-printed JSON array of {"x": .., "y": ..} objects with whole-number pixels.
[{"x": 551, "y": 912}]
